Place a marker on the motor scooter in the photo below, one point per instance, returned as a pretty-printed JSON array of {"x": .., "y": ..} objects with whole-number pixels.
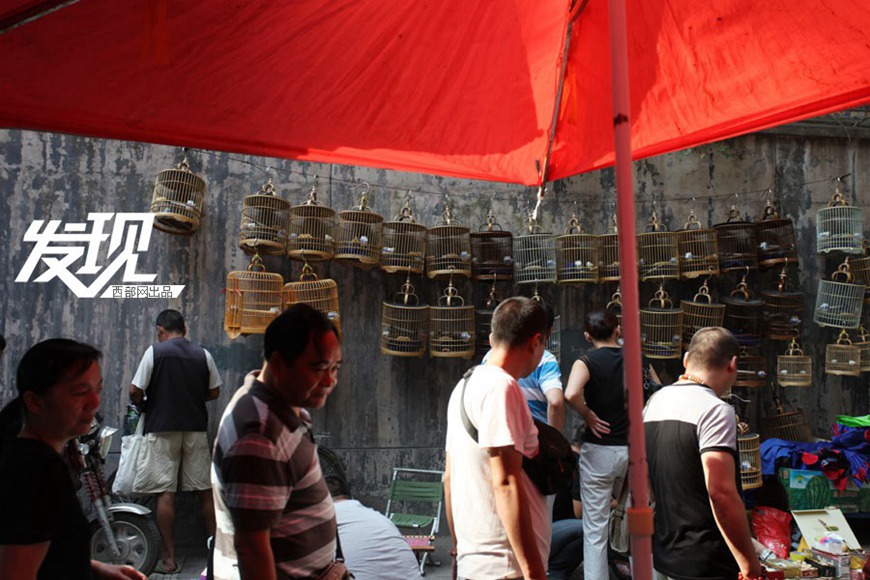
[{"x": 121, "y": 532}]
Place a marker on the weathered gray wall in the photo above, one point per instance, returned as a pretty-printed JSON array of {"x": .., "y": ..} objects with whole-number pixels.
[{"x": 386, "y": 411}]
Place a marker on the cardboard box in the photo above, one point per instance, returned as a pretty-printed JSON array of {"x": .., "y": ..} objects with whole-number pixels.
[
  {"x": 812, "y": 490},
  {"x": 816, "y": 523}
]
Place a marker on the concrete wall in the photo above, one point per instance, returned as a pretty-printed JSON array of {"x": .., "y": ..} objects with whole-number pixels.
[{"x": 390, "y": 411}]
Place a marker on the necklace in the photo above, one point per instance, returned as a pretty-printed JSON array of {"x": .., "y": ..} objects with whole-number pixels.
[{"x": 694, "y": 379}]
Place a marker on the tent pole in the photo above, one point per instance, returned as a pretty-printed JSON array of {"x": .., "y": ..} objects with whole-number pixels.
[{"x": 639, "y": 516}]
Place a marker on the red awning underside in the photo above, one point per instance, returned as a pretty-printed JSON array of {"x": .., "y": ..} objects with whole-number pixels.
[{"x": 465, "y": 89}]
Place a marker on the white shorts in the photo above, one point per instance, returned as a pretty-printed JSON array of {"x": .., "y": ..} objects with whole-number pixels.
[{"x": 163, "y": 455}]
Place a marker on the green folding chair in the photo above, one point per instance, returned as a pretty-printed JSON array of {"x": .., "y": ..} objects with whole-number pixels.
[{"x": 414, "y": 505}]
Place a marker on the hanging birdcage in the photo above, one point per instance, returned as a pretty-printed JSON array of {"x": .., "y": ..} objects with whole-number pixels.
[
  {"x": 554, "y": 342},
  {"x": 312, "y": 231},
  {"x": 789, "y": 425},
  {"x": 743, "y": 315},
  {"x": 253, "y": 299},
  {"x": 794, "y": 369},
  {"x": 839, "y": 226},
  {"x": 177, "y": 200},
  {"x": 608, "y": 254},
  {"x": 661, "y": 327},
  {"x": 534, "y": 255},
  {"x": 737, "y": 243},
  {"x": 783, "y": 311},
  {"x": 359, "y": 234},
  {"x": 451, "y": 326},
  {"x": 838, "y": 303},
  {"x": 776, "y": 239},
  {"x": 265, "y": 221},
  {"x": 483, "y": 322},
  {"x": 492, "y": 252},
  {"x": 404, "y": 248},
  {"x": 321, "y": 295},
  {"x": 860, "y": 268},
  {"x": 697, "y": 250},
  {"x": 576, "y": 254},
  {"x": 657, "y": 252},
  {"x": 843, "y": 358},
  {"x": 700, "y": 312},
  {"x": 751, "y": 369},
  {"x": 615, "y": 304},
  {"x": 749, "y": 449},
  {"x": 404, "y": 324},
  {"x": 449, "y": 247},
  {"x": 864, "y": 346}
]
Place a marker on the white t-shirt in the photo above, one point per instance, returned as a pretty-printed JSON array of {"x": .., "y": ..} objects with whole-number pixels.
[
  {"x": 496, "y": 406},
  {"x": 373, "y": 548}
]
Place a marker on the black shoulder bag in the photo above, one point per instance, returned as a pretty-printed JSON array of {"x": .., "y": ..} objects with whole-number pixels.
[{"x": 553, "y": 467}]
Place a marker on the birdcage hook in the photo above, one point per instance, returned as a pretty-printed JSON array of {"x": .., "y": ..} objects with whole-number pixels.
[
  {"x": 844, "y": 270},
  {"x": 312, "y": 195},
  {"x": 661, "y": 297},
  {"x": 408, "y": 293},
  {"x": 363, "y": 199}
]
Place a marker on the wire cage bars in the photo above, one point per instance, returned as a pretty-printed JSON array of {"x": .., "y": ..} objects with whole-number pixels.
[
  {"x": 492, "y": 252},
  {"x": 863, "y": 345},
  {"x": 657, "y": 252},
  {"x": 838, "y": 300},
  {"x": 404, "y": 324},
  {"x": 697, "y": 249},
  {"x": 794, "y": 368},
  {"x": 782, "y": 424},
  {"x": 737, "y": 243},
  {"x": 451, "y": 326},
  {"x": 449, "y": 247},
  {"x": 253, "y": 299},
  {"x": 534, "y": 255},
  {"x": 749, "y": 447},
  {"x": 776, "y": 238},
  {"x": 177, "y": 199},
  {"x": 359, "y": 234},
  {"x": 312, "y": 230},
  {"x": 661, "y": 327},
  {"x": 860, "y": 268},
  {"x": 576, "y": 254},
  {"x": 783, "y": 311},
  {"x": 751, "y": 368},
  {"x": 743, "y": 314},
  {"x": 554, "y": 341},
  {"x": 700, "y": 312},
  {"x": 321, "y": 295},
  {"x": 608, "y": 254},
  {"x": 839, "y": 226},
  {"x": 265, "y": 222},
  {"x": 842, "y": 357},
  {"x": 404, "y": 248}
]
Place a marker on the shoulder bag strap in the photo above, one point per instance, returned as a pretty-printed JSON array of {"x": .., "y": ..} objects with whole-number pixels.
[{"x": 469, "y": 426}]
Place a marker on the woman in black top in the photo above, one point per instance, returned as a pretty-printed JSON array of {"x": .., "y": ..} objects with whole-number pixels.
[{"x": 43, "y": 533}]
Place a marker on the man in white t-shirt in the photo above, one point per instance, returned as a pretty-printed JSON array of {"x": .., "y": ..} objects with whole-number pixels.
[{"x": 498, "y": 519}]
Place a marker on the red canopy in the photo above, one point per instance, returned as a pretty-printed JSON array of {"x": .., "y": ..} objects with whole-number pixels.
[{"x": 457, "y": 88}]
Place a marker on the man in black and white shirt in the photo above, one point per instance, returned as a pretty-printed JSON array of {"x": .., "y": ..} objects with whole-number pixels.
[{"x": 701, "y": 531}]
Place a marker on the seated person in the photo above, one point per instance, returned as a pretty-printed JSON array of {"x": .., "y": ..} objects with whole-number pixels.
[{"x": 372, "y": 546}]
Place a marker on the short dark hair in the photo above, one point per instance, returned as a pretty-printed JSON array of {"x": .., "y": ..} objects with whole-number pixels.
[
  {"x": 48, "y": 362},
  {"x": 712, "y": 347},
  {"x": 337, "y": 486},
  {"x": 290, "y": 332},
  {"x": 551, "y": 315},
  {"x": 516, "y": 320},
  {"x": 600, "y": 323},
  {"x": 171, "y": 321}
]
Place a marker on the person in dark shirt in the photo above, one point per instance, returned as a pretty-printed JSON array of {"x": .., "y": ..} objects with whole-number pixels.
[{"x": 43, "y": 533}]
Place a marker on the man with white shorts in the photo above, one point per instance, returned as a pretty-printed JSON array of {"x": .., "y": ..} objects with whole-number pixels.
[{"x": 175, "y": 379}]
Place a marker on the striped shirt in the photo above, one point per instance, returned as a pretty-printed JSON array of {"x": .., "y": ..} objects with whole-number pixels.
[
  {"x": 266, "y": 475},
  {"x": 545, "y": 377}
]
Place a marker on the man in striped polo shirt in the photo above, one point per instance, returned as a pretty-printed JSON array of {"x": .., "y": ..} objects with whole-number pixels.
[{"x": 275, "y": 517}]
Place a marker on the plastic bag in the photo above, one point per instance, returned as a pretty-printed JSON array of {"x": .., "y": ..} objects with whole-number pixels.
[{"x": 772, "y": 527}]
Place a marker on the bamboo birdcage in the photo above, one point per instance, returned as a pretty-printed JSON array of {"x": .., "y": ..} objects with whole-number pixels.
[
  {"x": 737, "y": 243},
  {"x": 743, "y": 315},
  {"x": 615, "y": 304},
  {"x": 783, "y": 311},
  {"x": 492, "y": 252},
  {"x": 751, "y": 368},
  {"x": 697, "y": 249},
  {"x": 534, "y": 255},
  {"x": 661, "y": 327},
  {"x": 177, "y": 200},
  {"x": 608, "y": 254},
  {"x": 483, "y": 322},
  {"x": 265, "y": 222},
  {"x": 404, "y": 324},
  {"x": 449, "y": 247},
  {"x": 253, "y": 299},
  {"x": 860, "y": 268},
  {"x": 864, "y": 346},
  {"x": 839, "y": 304},
  {"x": 843, "y": 358},
  {"x": 749, "y": 450},
  {"x": 359, "y": 234},
  {"x": 794, "y": 369},
  {"x": 839, "y": 226},
  {"x": 776, "y": 238},
  {"x": 576, "y": 254},
  {"x": 554, "y": 341},
  {"x": 657, "y": 252},
  {"x": 700, "y": 312},
  {"x": 312, "y": 231},
  {"x": 782, "y": 424},
  {"x": 321, "y": 295},
  {"x": 404, "y": 248},
  {"x": 451, "y": 326}
]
